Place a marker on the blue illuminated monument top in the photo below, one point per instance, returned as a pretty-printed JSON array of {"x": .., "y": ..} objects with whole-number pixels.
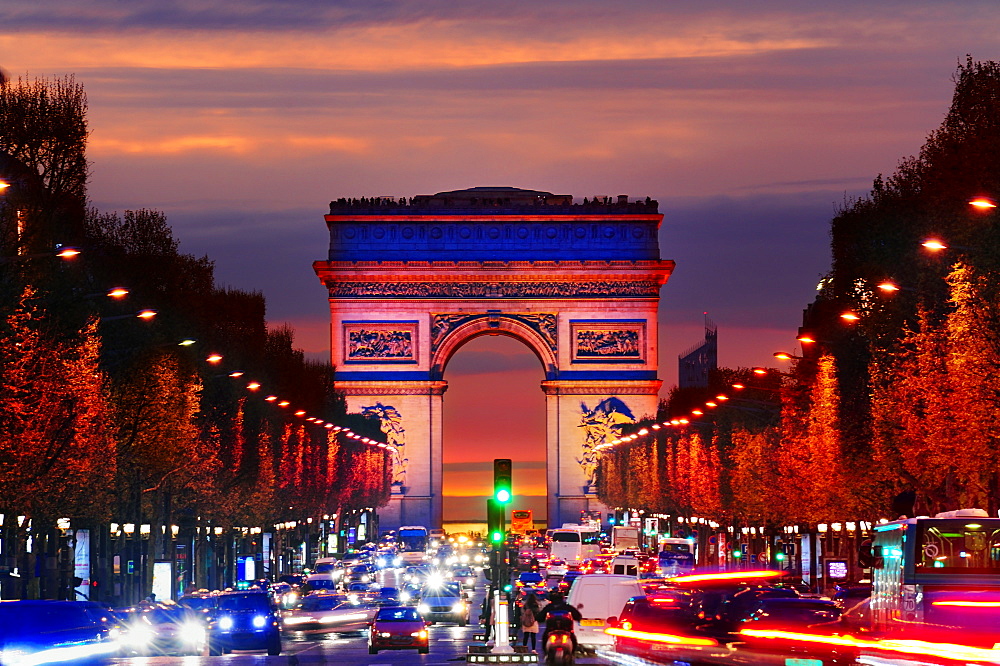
[{"x": 493, "y": 224}]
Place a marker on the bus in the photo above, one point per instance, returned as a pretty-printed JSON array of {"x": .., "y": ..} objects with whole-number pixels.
[
  {"x": 521, "y": 521},
  {"x": 575, "y": 543},
  {"x": 676, "y": 556},
  {"x": 411, "y": 541},
  {"x": 936, "y": 574}
]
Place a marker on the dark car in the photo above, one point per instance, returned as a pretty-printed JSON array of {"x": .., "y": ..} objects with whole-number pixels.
[
  {"x": 244, "y": 621},
  {"x": 165, "y": 629},
  {"x": 362, "y": 573},
  {"x": 41, "y": 631},
  {"x": 567, "y": 581},
  {"x": 398, "y": 628},
  {"x": 666, "y": 613},
  {"x": 792, "y": 613}
]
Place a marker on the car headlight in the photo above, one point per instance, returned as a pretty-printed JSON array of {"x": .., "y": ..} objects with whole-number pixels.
[
  {"x": 398, "y": 561},
  {"x": 423, "y": 609},
  {"x": 139, "y": 635},
  {"x": 420, "y": 634},
  {"x": 225, "y": 623},
  {"x": 404, "y": 596},
  {"x": 365, "y": 578},
  {"x": 259, "y": 621},
  {"x": 192, "y": 633},
  {"x": 458, "y": 608}
]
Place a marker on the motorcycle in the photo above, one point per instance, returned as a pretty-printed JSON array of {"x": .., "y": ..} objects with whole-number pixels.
[{"x": 559, "y": 647}]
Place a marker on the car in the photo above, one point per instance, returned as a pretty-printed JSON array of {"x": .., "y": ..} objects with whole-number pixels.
[
  {"x": 792, "y": 613},
  {"x": 531, "y": 580},
  {"x": 466, "y": 576},
  {"x": 323, "y": 581},
  {"x": 398, "y": 628},
  {"x": 416, "y": 574},
  {"x": 322, "y": 612},
  {"x": 556, "y": 567},
  {"x": 362, "y": 573},
  {"x": 645, "y": 615},
  {"x": 566, "y": 584},
  {"x": 410, "y": 592},
  {"x": 244, "y": 621},
  {"x": 444, "y": 603},
  {"x": 165, "y": 629},
  {"x": 37, "y": 632}
]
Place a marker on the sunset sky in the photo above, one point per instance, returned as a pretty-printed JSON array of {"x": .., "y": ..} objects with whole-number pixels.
[{"x": 750, "y": 123}]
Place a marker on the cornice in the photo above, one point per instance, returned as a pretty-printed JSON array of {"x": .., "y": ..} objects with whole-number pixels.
[
  {"x": 618, "y": 387},
  {"x": 376, "y": 387}
]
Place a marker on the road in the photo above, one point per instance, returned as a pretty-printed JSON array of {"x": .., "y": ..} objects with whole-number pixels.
[{"x": 448, "y": 645}]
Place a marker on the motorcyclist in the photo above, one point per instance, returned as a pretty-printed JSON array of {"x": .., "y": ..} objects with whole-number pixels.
[{"x": 559, "y": 616}]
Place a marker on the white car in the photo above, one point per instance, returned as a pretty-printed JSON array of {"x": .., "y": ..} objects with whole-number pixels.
[{"x": 556, "y": 568}]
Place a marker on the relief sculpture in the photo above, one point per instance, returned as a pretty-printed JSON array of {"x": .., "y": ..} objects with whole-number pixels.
[
  {"x": 607, "y": 344},
  {"x": 379, "y": 344},
  {"x": 600, "y": 425},
  {"x": 391, "y": 425}
]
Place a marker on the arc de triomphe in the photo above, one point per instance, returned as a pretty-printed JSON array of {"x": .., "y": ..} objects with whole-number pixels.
[{"x": 411, "y": 281}]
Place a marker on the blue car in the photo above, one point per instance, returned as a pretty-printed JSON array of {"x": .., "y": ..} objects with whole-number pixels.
[
  {"x": 41, "y": 632},
  {"x": 244, "y": 621}
]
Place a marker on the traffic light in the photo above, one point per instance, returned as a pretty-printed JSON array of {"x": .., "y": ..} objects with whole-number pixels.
[
  {"x": 501, "y": 481},
  {"x": 495, "y": 521}
]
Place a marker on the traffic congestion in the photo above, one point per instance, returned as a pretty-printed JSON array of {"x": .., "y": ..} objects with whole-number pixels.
[{"x": 544, "y": 596}]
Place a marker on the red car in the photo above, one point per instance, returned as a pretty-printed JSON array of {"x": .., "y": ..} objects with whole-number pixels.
[{"x": 398, "y": 628}]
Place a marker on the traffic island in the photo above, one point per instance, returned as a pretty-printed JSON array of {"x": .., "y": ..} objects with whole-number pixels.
[{"x": 481, "y": 654}]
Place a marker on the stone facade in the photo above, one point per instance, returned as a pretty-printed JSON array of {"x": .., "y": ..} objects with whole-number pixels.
[{"x": 585, "y": 302}]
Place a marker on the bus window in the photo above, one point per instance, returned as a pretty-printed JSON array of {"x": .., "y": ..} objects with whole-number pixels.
[
  {"x": 566, "y": 537},
  {"x": 958, "y": 545}
]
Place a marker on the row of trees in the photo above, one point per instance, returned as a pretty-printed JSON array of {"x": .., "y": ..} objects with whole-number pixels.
[
  {"x": 897, "y": 413},
  {"x": 104, "y": 417}
]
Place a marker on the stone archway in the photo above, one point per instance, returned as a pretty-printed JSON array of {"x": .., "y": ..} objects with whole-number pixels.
[{"x": 410, "y": 283}]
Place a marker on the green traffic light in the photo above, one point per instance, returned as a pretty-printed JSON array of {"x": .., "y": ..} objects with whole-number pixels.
[
  {"x": 779, "y": 557},
  {"x": 496, "y": 537},
  {"x": 737, "y": 554},
  {"x": 503, "y": 495}
]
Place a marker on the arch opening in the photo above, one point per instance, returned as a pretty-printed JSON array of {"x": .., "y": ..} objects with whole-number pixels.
[{"x": 494, "y": 408}]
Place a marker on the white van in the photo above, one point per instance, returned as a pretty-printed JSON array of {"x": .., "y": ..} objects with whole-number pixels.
[
  {"x": 598, "y": 597},
  {"x": 625, "y": 565}
]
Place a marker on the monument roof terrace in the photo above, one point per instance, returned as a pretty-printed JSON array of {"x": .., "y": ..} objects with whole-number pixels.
[{"x": 478, "y": 201}]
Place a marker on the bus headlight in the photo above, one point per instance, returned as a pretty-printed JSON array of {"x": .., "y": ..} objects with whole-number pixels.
[{"x": 423, "y": 609}]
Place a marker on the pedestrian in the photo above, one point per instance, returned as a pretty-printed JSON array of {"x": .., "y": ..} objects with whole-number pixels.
[{"x": 529, "y": 621}]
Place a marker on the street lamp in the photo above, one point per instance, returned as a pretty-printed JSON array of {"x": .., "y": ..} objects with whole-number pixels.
[
  {"x": 983, "y": 203},
  {"x": 785, "y": 356},
  {"x": 146, "y": 314}
]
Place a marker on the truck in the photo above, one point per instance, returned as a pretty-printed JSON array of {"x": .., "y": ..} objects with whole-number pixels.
[{"x": 624, "y": 537}]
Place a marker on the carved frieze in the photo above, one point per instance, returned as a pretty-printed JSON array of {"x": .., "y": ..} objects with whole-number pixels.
[{"x": 569, "y": 289}]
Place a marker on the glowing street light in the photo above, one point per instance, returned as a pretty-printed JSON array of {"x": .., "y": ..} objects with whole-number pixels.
[
  {"x": 214, "y": 358},
  {"x": 983, "y": 203},
  {"x": 4, "y": 185},
  {"x": 888, "y": 287},
  {"x": 934, "y": 245},
  {"x": 146, "y": 315},
  {"x": 850, "y": 316},
  {"x": 67, "y": 253},
  {"x": 785, "y": 356}
]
